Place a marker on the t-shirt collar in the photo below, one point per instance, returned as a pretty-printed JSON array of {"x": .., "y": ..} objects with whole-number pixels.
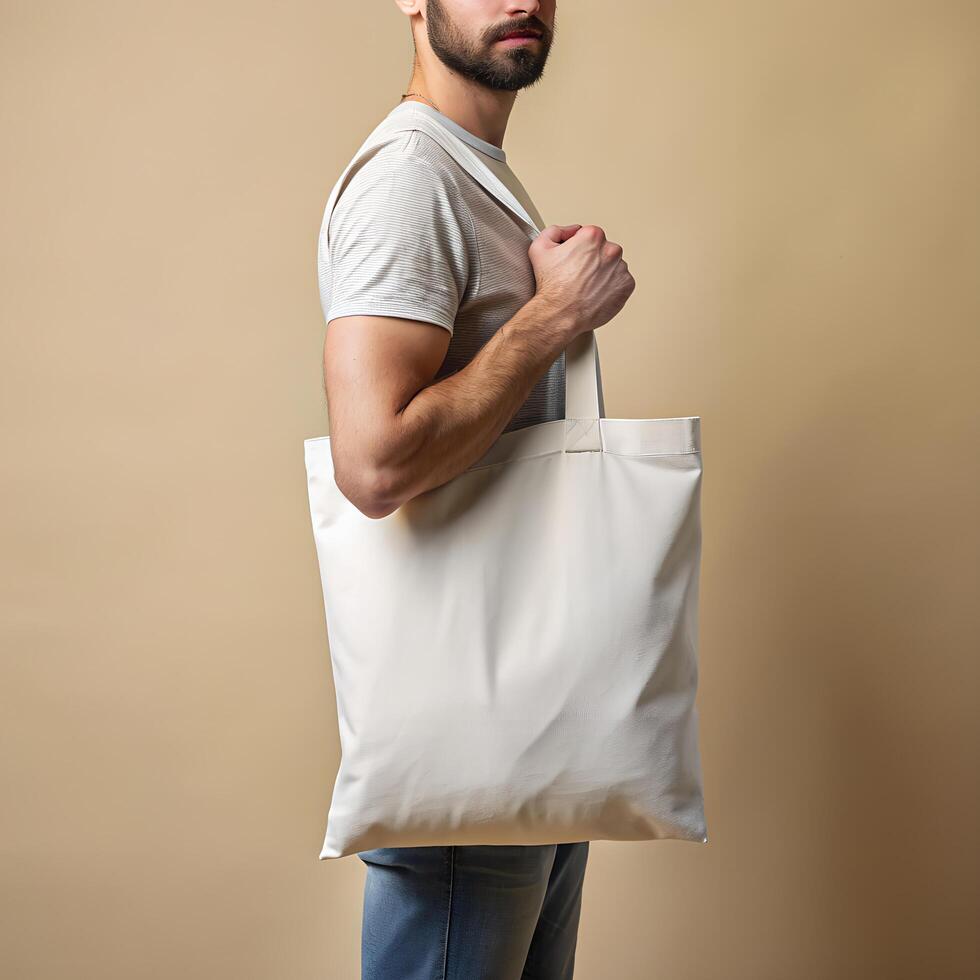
[{"x": 464, "y": 134}]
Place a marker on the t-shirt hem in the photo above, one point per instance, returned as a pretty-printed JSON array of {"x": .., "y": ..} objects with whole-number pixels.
[{"x": 402, "y": 312}]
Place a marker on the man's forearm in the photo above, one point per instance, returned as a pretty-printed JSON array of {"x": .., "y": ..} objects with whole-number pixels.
[{"x": 451, "y": 423}]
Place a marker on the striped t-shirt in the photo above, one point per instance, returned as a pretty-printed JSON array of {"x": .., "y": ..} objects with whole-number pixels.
[{"x": 414, "y": 235}]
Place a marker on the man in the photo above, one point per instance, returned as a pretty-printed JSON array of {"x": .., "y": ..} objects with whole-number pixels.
[{"x": 445, "y": 329}]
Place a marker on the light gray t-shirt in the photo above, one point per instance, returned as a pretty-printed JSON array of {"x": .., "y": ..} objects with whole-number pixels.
[{"x": 414, "y": 235}]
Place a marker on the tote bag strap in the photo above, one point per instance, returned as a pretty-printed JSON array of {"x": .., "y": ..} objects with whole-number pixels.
[{"x": 583, "y": 395}]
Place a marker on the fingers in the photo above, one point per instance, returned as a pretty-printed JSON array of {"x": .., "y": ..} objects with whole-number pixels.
[{"x": 558, "y": 233}]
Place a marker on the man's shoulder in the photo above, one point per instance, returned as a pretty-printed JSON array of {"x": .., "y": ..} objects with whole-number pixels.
[
  {"x": 410, "y": 158},
  {"x": 408, "y": 188}
]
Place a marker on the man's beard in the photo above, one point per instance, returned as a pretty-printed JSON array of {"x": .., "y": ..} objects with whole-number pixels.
[{"x": 507, "y": 70}]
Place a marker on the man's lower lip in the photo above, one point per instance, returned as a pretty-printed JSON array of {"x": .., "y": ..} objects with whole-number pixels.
[{"x": 509, "y": 41}]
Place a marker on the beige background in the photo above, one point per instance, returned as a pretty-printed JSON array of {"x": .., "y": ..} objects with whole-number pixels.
[{"x": 795, "y": 188}]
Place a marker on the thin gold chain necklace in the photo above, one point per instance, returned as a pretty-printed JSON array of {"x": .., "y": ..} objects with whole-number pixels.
[{"x": 421, "y": 96}]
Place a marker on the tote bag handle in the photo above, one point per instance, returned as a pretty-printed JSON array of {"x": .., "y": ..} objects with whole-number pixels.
[{"x": 583, "y": 395}]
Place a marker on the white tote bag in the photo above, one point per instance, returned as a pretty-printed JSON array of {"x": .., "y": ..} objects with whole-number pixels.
[{"x": 514, "y": 652}]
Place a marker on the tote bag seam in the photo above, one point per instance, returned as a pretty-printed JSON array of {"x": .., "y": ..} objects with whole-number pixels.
[
  {"x": 555, "y": 452},
  {"x": 680, "y": 452}
]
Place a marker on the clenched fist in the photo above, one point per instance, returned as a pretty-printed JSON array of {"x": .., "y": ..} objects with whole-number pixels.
[{"x": 581, "y": 274}]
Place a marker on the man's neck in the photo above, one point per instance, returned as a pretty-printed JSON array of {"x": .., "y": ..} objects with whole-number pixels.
[{"x": 481, "y": 111}]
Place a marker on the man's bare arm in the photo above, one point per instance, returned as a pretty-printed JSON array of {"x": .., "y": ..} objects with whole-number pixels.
[{"x": 394, "y": 433}]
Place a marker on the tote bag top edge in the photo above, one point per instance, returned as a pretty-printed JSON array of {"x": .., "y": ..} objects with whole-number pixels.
[{"x": 678, "y": 435}]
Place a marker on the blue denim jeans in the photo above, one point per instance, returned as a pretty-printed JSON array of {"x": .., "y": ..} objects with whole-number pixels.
[{"x": 472, "y": 912}]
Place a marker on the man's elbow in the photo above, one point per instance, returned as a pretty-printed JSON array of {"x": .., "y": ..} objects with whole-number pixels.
[{"x": 374, "y": 492}]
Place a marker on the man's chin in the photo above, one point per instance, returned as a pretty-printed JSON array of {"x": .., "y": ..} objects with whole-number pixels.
[{"x": 516, "y": 80}]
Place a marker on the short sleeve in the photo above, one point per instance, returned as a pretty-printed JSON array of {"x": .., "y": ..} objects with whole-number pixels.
[{"x": 400, "y": 244}]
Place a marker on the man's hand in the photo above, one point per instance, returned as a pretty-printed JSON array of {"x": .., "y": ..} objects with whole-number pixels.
[{"x": 580, "y": 274}]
